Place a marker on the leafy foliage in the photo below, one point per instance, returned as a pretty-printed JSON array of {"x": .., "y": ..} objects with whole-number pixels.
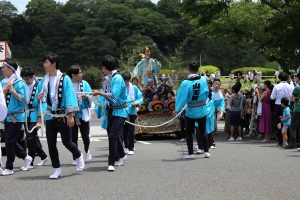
[
  {"x": 37, "y": 11},
  {"x": 94, "y": 77},
  {"x": 82, "y": 31},
  {"x": 272, "y": 24},
  {"x": 8, "y": 9},
  {"x": 210, "y": 68}
]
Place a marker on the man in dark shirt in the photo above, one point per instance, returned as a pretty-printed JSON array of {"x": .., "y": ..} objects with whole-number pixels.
[
  {"x": 164, "y": 89},
  {"x": 149, "y": 91}
]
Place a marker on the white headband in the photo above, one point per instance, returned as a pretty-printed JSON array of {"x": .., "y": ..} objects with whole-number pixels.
[{"x": 8, "y": 65}]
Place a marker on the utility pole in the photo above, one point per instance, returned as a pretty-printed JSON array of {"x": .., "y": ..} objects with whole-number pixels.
[{"x": 200, "y": 60}]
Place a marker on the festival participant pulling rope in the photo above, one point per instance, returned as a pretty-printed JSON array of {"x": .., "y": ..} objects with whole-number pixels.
[
  {"x": 26, "y": 117},
  {"x": 98, "y": 103},
  {"x": 138, "y": 125}
]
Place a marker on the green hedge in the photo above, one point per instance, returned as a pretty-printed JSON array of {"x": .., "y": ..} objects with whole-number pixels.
[
  {"x": 210, "y": 68},
  {"x": 165, "y": 72},
  {"x": 94, "y": 77},
  {"x": 265, "y": 71}
]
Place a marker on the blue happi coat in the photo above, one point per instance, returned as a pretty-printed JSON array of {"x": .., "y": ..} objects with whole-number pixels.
[
  {"x": 16, "y": 105},
  {"x": 192, "y": 91},
  {"x": 68, "y": 102}
]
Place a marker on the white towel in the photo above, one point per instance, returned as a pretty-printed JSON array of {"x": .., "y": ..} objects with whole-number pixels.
[
  {"x": 85, "y": 115},
  {"x": 130, "y": 91},
  {"x": 54, "y": 88}
]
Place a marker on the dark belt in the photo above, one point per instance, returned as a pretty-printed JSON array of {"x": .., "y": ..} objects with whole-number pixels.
[
  {"x": 118, "y": 107},
  {"x": 193, "y": 105},
  {"x": 77, "y": 120}
]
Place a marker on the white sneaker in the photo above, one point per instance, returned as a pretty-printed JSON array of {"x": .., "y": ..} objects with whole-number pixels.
[
  {"x": 239, "y": 139},
  {"x": 56, "y": 173},
  {"x": 200, "y": 151},
  {"x": 121, "y": 161},
  {"x": 133, "y": 149},
  {"x": 196, "y": 148},
  {"x": 206, "y": 155},
  {"x": 111, "y": 168},
  {"x": 7, "y": 172},
  {"x": 42, "y": 162},
  {"x": 189, "y": 156},
  {"x": 1, "y": 170},
  {"x": 126, "y": 150},
  {"x": 182, "y": 140},
  {"x": 88, "y": 156},
  {"x": 231, "y": 139},
  {"x": 298, "y": 149},
  {"x": 74, "y": 163},
  {"x": 27, "y": 161},
  {"x": 212, "y": 147},
  {"x": 130, "y": 153},
  {"x": 26, "y": 168},
  {"x": 80, "y": 163}
]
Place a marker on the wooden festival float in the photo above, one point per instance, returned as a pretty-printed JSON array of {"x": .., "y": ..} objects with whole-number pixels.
[{"x": 157, "y": 117}]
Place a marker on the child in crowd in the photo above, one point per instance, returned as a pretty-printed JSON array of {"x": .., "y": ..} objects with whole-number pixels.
[
  {"x": 170, "y": 97},
  {"x": 150, "y": 107},
  {"x": 235, "y": 113},
  {"x": 285, "y": 119},
  {"x": 258, "y": 107},
  {"x": 248, "y": 109}
]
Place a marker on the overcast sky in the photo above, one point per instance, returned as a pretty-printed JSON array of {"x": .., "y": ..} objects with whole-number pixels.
[{"x": 21, "y": 4}]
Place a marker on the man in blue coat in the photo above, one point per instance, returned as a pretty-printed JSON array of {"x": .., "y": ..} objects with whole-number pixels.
[{"x": 193, "y": 93}]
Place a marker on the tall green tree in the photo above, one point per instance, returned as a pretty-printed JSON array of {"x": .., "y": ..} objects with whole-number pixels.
[
  {"x": 54, "y": 31},
  {"x": 22, "y": 32},
  {"x": 137, "y": 40},
  {"x": 116, "y": 21},
  {"x": 168, "y": 8},
  {"x": 93, "y": 45},
  {"x": 88, "y": 7},
  {"x": 38, "y": 48},
  {"x": 38, "y": 11},
  {"x": 6, "y": 31},
  {"x": 8, "y": 9},
  {"x": 273, "y": 24}
]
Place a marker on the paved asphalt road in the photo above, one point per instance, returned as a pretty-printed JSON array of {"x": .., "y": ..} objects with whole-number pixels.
[{"x": 244, "y": 169}]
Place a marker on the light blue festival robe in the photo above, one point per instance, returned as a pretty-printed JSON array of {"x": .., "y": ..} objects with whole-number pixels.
[
  {"x": 118, "y": 96},
  {"x": 220, "y": 103},
  {"x": 35, "y": 104},
  {"x": 69, "y": 99},
  {"x": 85, "y": 103},
  {"x": 210, "y": 117},
  {"x": 141, "y": 69},
  {"x": 101, "y": 112},
  {"x": 15, "y": 104},
  {"x": 138, "y": 99},
  {"x": 185, "y": 95}
]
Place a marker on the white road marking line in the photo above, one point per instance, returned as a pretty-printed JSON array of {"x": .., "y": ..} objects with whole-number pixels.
[
  {"x": 59, "y": 139},
  {"x": 143, "y": 142}
]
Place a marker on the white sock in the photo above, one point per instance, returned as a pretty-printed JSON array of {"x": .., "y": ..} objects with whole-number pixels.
[
  {"x": 56, "y": 173},
  {"x": 80, "y": 163}
]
